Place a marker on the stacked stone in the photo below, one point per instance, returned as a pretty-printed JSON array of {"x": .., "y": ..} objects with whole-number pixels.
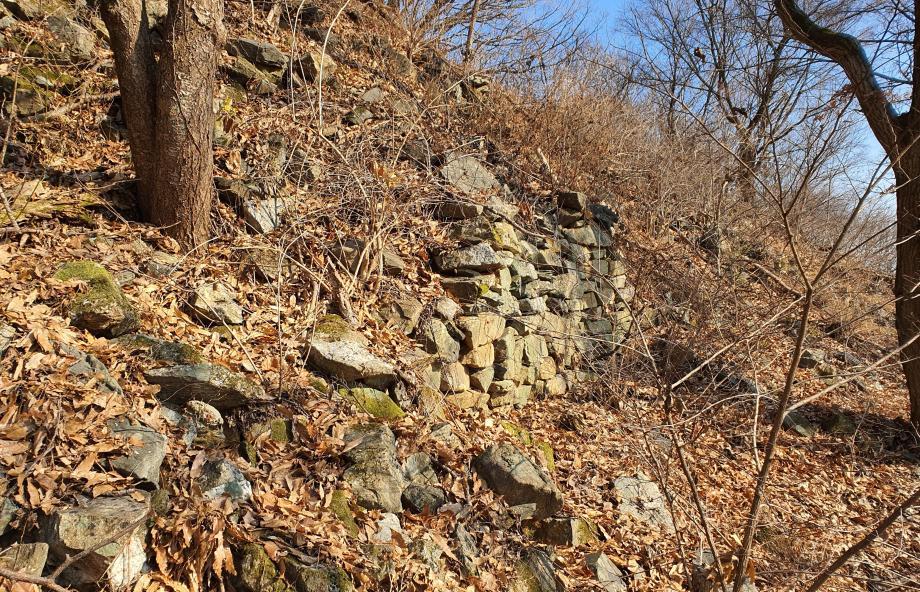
[{"x": 531, "y": 306}]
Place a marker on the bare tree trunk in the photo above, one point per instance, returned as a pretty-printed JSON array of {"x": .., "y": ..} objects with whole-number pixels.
[
  {"x": 168, "y": 109},
  {"x": 468, "y": 50},
  {"x": 907, "y": 275}
]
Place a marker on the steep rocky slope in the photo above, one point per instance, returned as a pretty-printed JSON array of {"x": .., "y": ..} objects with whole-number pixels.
[{"x": 402, "y": 363}]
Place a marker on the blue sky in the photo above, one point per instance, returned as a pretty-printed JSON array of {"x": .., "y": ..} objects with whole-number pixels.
[{"x": 607, "y": 14}]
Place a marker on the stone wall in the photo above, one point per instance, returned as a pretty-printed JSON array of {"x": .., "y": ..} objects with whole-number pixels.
[{"x": 534, "y": 307}]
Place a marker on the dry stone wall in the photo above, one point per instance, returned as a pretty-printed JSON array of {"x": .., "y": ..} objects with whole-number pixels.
[{"x": 535, "y": 308}]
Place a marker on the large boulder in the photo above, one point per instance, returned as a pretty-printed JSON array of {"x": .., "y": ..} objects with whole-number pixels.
[
  {"x": 338, "y": 350},
  {"x": 74, "y": 530},
  {"x": 103, "y": 309},
  {"x": 211, "y": 383},
  {"x": 514, "y": 476},
  {"x": 375, "y": 476}
]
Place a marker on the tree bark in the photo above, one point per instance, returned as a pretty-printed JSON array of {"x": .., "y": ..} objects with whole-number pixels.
[
  {"x": 168, "y": 109},
  {"x": 907, "y": 273}
]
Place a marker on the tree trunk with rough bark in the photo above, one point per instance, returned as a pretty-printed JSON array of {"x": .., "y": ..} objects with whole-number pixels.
[
  {"x": 907, "y": 274},
  {"x": 167, "y": 104}
]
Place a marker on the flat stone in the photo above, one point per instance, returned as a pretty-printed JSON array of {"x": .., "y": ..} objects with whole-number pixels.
[
  {"x": 160, "y": 264},
  {"x": 468, "y": 400},
  {"x": 641, "y": 499},
  {"x": 479, "y": 357},
  {"x": 251, "y": 78},
  {"x": 479, "y": 257},
  {"x": 453, "y": 210},
  {"x": 467, "y": 550},
  {"x": 454, "y": 378},
  {"x": 704, "y": 578},
  {"x": 375, "y": 476},
  {"x": 87, "y": 369},
  {"x": 73, "y": 530},
  {"x": 572, "y": 200},
  {"x": 103, "y": 310},
  {"x": 468, "y": 289},
  {"x": 161, "y": 350},
  {"x": 216, "y": 303},
  {"x": 607, "y": 573},
  {"x": 263, "y": 215},
  {"x": 221, "y": 477},
  {"x": 358, "y": 115},
  {"x": 481, "y": 329},
  {"x": 146, "y": 454},
  {"x": 812, "y": 358},
  {"x": 796, "y": 422},
  {"x": 514, "y": 476},
  {"x": 27, "y": 559},
  {"x": 374, "y": 402},
  {"x": 403, "y": 312},
  {"x": 469, "y": 175},
  {"x": 590, "y": 236},
  {"x": 319, "y": 577},
  {"x": 260, "y": 53},
  {"x": 444, "y": 307},
  {"x": 349, "y": 361},
  {"x": 211, "y": 383},
  {"x": 79, "y": 43},
  {"x": 7, "y": 334},
  {"x": 309, "y": 68},
  {"x": 482, "y": 379}
]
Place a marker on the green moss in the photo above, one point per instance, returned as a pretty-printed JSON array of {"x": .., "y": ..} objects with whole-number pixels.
[
  {"x": 517, "y": 432},
  {"x": 342, "y": 510},
  {"x": 333, "y": 326},
  {"x": 49, "y": 78},
  {"x": 88, "y": 271},
  {"x": 249, "y": 452},
  {"x": 546, "y": 449},
  {"x": 163, "y": 351},
  {"x": 317, "y": 578},
  {"x": 374, "y": 402},
  {"x": 258, "y": 572},
  {"x": 103, "y": 310},
  {"x": 280, "y": 430},
  {"x": 584, "y": 531}
]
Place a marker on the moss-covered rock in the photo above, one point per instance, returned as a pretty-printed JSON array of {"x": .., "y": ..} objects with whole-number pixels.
[
  {"x": 161, "y": 350},
  {"x": 535, "y": 573},
  {"x": 317, "y": 578},
  {"x": 103, "y": 310},
  {"x": 342, "y": 510},
  {"x": 546, "y": 451},
  {"x": 374, "y": 402},
  {"x": 258, "y": 572}
]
